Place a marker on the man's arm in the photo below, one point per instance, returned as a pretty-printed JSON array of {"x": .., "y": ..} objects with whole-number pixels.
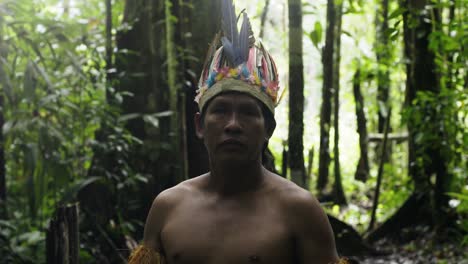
[
  {"x": 313, "y": 235},
  {"x": 151, "y": 250}
]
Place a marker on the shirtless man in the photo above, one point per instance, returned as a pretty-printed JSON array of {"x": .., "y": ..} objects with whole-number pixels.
[{"x": 239, "y": 212}]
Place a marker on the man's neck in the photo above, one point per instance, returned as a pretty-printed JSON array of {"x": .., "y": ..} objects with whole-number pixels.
[{"x": 232, "y": 179}]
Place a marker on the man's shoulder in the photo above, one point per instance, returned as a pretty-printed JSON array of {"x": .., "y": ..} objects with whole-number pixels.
[
  {"x": 178, "y": 193},
  {"x": 297, "y": 201},
  {"x": 290, "y": 193},
  {"x": 162, "y": 207}
]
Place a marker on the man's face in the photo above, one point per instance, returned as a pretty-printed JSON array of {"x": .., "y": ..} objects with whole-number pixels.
[{"x": 233, "y": 128}]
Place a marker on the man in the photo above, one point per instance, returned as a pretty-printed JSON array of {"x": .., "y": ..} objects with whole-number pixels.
[{"x": 239, "y": 212}]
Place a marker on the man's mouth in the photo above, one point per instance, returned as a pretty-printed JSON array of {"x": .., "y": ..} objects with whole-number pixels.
[{"x": 231, "y": 142}]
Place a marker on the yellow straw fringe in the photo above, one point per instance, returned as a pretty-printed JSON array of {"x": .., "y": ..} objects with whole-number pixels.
[
  {"x": 341, "y": 261},
  {"x": 145, "y": 255}
]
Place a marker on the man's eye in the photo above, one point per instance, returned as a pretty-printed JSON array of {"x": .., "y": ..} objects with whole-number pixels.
[
  {"x": 219, "y": 110},
  {"x": 251, "y": 112}
]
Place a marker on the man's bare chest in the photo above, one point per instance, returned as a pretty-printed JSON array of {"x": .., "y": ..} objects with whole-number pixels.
[{"x": 227, "y": 234}]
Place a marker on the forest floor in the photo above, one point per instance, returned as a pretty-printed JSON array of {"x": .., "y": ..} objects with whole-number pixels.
[{"x": 421, "y": 247}]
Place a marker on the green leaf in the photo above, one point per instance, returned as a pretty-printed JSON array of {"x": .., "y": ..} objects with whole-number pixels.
[
  {"x": 30, "y": 82},
  {"x": 5, "y": 81},
  {"x": 72, "y": 191},
  {"x": 128, "y": 117},
  {"x": 31, "y": 238},
  {"x": 152, "y": 120},
  {"x": 397, "y": 13},
  {"x": 44, "y": 75},
  {"x": 316, "y": 34},
  {"x": 163, "y": 114}
]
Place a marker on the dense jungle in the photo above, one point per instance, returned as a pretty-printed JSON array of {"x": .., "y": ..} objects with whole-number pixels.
[{"x": 97, "y": 106}]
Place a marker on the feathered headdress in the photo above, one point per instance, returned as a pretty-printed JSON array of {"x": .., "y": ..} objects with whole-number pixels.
[{"x": 240, "y": 64}]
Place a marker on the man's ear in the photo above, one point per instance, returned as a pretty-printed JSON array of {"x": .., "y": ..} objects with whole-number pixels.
[{"x": 198, "y": 125}]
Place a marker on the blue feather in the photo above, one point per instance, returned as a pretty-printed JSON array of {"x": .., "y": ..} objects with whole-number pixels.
[
  {"x": 244, "y": 39},
  {"x": 229, "y": 21},
  {"x": 236, "y": 47},
  {"x": 229, "y": 50}
]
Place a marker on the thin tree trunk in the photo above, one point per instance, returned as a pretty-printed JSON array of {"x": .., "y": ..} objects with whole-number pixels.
[
  {"x": 362, "y": 170},
  {"x": 109, "y": 52},
  {"x": 3, "y": 189},
  {"x": 263, "y": 18},
  {"x": 451, "y": 55},
  {"x": 325, "y": 111},
  {"x": 174, "y": 87},
  {"x": 3, "y": 85},
  {"x": 380, "y": 173},
  {"x": 296, "y": 94},
  {"x": 383, "y": 56},
  {"x": 310, "y": 165},
  {"x": 284, "y": 167},
  {"x": 337, "y": 186},
  {"x": 383, "y": 60}
]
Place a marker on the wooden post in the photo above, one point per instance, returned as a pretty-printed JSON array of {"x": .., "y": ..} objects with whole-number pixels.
[{"x": 62, "y": 236}]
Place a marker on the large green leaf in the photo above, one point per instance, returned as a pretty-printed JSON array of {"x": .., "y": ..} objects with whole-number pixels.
[{"x": 5, "y": 82}]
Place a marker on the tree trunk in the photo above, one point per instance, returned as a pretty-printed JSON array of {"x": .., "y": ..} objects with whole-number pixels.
[
  {"x": 426, "y": 157},
  {"x": 3, "y": 85},
  {"x": 176, "y": 75},
  {"x": 310, "y": 164},
  {"x": 285, "y": 164},
  {"x": 109, "y": 52},
  {"x": 421, "y": 76},
  {"x": 62, "y": 237},
  {"x": 204, "y": 30},
  {"x": 383, "y": 56},
  {"x": 145, "y": 74},
  {"x": 338, "y": 191},
  {"x": 3, "y": 189},
  {"x": 383, "y": 61},
  {"x": 362, "y": 170},
  {"x": 325, "y": 111},
  {"x": 263, "y": 18},
  {"x": 296, "y": 94}
]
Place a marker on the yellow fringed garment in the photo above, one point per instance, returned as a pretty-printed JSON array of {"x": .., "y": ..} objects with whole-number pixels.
[
  {"x": 145, "y": 255},
  {"x": 341, "y": 261}
]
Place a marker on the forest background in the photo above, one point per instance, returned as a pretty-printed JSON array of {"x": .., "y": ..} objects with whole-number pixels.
[{"x": 97, "y": 103}]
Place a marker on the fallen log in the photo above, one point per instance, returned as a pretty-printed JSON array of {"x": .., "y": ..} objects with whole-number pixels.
[
  {"x": 415, "y": 210},
  {"x": 379, "y": 137}
]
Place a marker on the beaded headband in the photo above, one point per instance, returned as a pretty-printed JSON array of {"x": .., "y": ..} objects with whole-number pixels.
[{"x": 239, "y": 65}]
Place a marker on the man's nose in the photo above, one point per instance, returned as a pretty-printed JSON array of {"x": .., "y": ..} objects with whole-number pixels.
[{"x": 233, "y": 125}]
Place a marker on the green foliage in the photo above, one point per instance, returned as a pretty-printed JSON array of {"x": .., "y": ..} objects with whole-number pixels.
[
  {"x": 53, "y": 76},
  {"x": 460, "y": 202},
  {"x": 61, "y": 134}
]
